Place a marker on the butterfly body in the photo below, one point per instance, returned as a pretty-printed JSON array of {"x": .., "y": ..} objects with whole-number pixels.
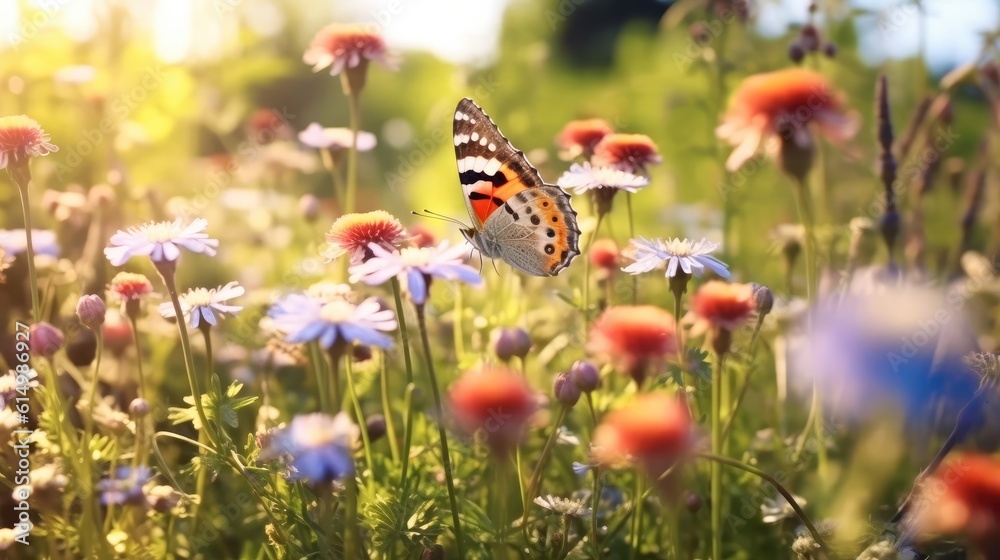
[{"x": 516, "y": 216}]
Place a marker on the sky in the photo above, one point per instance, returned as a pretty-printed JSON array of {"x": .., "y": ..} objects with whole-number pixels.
[{"x": 465, "y": 31}]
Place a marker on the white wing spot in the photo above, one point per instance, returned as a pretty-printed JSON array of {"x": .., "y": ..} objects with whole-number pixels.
[
  {"x": 473, "y": 121},
  {"x": 492, "y": 147},
  {"x": 459, "y": 115},
  {"x": 466, "y": 163},
  {"x": 482, "y": 141},
  {"x": 479, "y": 164},
  {"x": 461, "y": 139},
  {"x": 492, "y": 166},
  {"x": 475, "y": 136}
]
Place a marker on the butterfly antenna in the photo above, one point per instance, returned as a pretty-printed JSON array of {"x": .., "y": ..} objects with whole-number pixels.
[
  {"x": 436, "y": 216},
  {"x": 495, "y": 269}
]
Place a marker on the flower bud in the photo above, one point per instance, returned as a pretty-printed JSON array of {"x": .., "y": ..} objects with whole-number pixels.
[
  {"x": 810, "y": 37},
  {"x": 566, "y": 391},
  {"x": 90, "y": 309},
  {"x": 309, "y": 207},
  {"x": 585, "y": 375},
  {"x": 139, "y": 408},
  {"x": 511, "y": 342},
  {"x": 693, "y": 502},
  {"x": 375, "y": 426},
  {"x": 361, "y": 353},
  {"x": 604, "y": 256},
  {"x": 830, "y": 50},
  {"x": 796, "y": 52},
  {"x": 46, "y": 340},
  {"x": 433, "y": 552},
  {"x": 763, "y": 299}
]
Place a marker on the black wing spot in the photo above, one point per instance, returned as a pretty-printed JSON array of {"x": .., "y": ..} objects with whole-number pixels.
[
  {"x": 565, "y": 254},
  {"x": 527, "y": 210},
  {"x": 536, "y": 220},
  {"x": 470, "y": 177},
  {"x": 545, "y": 204},
  {"x": 508, "y": 209},
  {"x": 498, "y": 201},
  {"x": 555, "y": 219},
  {"x": 478, "y": 196},
  {"x": 515, "y": 216},
  {"x": 549, "y": 249},
  {"x": 550, "y": 232}
]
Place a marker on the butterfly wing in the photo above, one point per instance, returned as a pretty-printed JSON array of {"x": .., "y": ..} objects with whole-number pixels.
[
  {"x": 535, "y": 231},
  {"x": 490, "y": 169}
]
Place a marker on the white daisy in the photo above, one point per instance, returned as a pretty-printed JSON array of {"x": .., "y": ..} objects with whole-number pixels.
[
  {"x": 316, "y": 136},
  {"x": 160, "y": 241},
  {"x": 304, "y": 318},
  {"x": 202, "y": 303},
  {"x": 563, "y": 506},
  {"x": 15, "y": 242},
  {"x": 9, "y": 385},
  {"x": 584, "y": 177},
  {"x": 415, "y": 266},
  {"x": 691, "y": 257}
]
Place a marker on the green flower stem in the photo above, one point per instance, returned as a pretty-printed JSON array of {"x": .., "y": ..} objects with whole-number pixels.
[
  {"x": 716, "y": 468},
  {"x": 587, "y": 270},
  {"x": 365, "y": 439},
  {"x": 407, "y": 436},
  {"x": 337, "y": 400},
  {"x": 536, "y": 477},
  {"x": 636, "y": 529},
  {"x": 404, "y": 339},
  {"x": 22, "y": 179},
  {"x": 744, "y": 389},
  {"x": 318, "y": 364},
  {"x": 331, "y": 167},
  {"x": 503, "y": 522},
  {"x": 390, "y": 424},
  {"x": 816, "y": 409},
  {"x": 166, "y": 271},
  {"x": 439, "y": 410},
  {"x": 201, "y": 485},
  {"x": 720, "y": 460},
  {"x": 631, "y": 234},
  {"x": 92, "y": 514},
  {"x": 596, "y": 496},
  {"x": 354, "y": 103}
]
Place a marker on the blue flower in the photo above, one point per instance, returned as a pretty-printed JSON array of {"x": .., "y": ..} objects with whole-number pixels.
[
  {"x": 415, "y": 267},
  {"x": 125, "y": 486},
  {"x": 305, "y": 318},
  {"x": 318, "y": 447}
]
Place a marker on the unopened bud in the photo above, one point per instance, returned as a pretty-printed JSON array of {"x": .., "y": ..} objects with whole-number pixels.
[
  {"x": 796, "y": 52},
  {"x": 566, "y": 391},
  {"x": 511, "y": 342},
  {"x": 139, "y": 408},
  {"x": 763, "y": 299},
  {"x": 585, "y": 375},
  {"x": 45, "y": 340},
  {"x": 90, "y": 309}
]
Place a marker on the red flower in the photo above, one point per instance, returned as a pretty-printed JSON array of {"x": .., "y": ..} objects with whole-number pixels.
[
  {"x": 130, "y": 287},
  {"x": 117, "y": 333},
  {"x": 962, "y": 497},
  {"x": 653, "y": 431},
  {"x": 633, "y": 338},
  {"x": 267, "y": 125},
  {"x": 783, "y": 103},
  {"x": 352, "y": 233},
  {"x": 341, "y": 46},
  {"x": 21, "y": 138},
  {"x": 604, "y": 255},
  {"x": 719, "y": 305},
  {"x": 496, "y": 400},
  {"x": 578, "y": 138},
  {"x": 628, "y": 152}
]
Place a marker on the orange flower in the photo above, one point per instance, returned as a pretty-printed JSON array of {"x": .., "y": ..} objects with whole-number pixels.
[
  {"x": 345, "y": 46},
  {"x": 21, "y": 138},
  {"x": 633, "y": 338},
  {"x": 962, "y": 497},
  {"x": 628, "y": 152},
  {"x": 578, "y": 138},
  {"x": 496, "y": 400},
  {"x": 653, "y": 431},
  {"x": 783, "y": 104},
  {"x": 352, "y": 233},
  {"x": 719, "y": 305},
  {"x": 604, "y": 255}
]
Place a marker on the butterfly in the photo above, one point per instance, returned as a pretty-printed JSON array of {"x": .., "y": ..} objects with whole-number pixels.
[{"x": 516, "y": 216}]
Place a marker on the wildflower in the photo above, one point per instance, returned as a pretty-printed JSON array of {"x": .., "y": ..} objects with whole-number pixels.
[
  {"x": 987, "y": 365},
  {"x": 777, "y": 509},
  {"x": 330, "y": 291},
  {"x": 130, "y": 289},
  {"x": 14, "y": 242},
  {"x": 763, "y": 299},
  {"x": 691, "y": 257},
  {"x": 416, "y": 267},
  {"x": 566, "y": 391},
  {"x": 510, "y": 342},
  {"x": 578, "y": 138},
  {"x": 45, "y": 339},
  {"x": 653, "y": 432},
  {"x": 22, "y": 138},
  {"x": 267, "y": 125},
  {"x": 628, "y": 152},
  {"x": 318, "y": 447},
  {"x": 201, "y": 303},
  {"x": 585, "y": 375},
  {"x": 125, "y": 486},
  {"x": 633, "y": 338},
  {"x": 90, "y": 309},
  {"x": 602, "y": 182},
  {"x": 563, "y": 506},
  {"x": 495, "y": 400},
  {"x": 353, "y": 234},
  {"x": 117, "y": 333},
  {"x": 160, "y": 241},
  {"x": 347, "y": 48},
  {"x": 303, "y": 318},
  {"x": 139, "y": 408},
  {"x": 961, "y": 497},
  {"x": 721, "y": 308},
  {"x": 108, "y": 416},
  {"x": 604, "y": 256},
  {"x": 422, "y": 236},
  {"x": 162, "y": 498},
  {"x": 782, "y": 105},
  {"x": 336, "y": 139}
]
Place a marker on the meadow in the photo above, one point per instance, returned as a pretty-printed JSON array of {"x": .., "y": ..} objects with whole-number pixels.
[{"x": 646, "y": 284}]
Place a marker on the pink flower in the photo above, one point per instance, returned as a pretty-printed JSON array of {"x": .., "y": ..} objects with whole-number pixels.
[
  {"x": 21, "y": 138},
  {"x": 339, "y": 46}
]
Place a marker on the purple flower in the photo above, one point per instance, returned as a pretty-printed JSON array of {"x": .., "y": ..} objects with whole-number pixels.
[
  {"x": 692, "y": 257},
  {"x": 160, "y": 241},
  {"x": 318, "y": 447},
  {"x": 125, "y": 486},
  {"x": 202, "y": 303},
  {"x": 415, "y": 266},
  {"x": 304, "y": 318}
]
